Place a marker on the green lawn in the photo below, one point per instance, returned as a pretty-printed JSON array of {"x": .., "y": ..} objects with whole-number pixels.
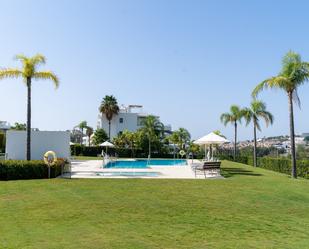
[
  {"x": 251, "y": 208},
  {"x": 87, "y": 158}
]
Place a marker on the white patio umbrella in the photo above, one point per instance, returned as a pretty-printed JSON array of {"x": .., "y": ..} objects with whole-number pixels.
[
  {"x": 107, "y": 144},
  {"x": 210, "y": 139}
]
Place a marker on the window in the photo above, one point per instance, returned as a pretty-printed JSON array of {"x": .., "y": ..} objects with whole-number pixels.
[{"x": 120, "y": 120}]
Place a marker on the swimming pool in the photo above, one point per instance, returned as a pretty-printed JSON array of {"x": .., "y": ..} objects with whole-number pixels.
[{"x": 142, "y": 164}]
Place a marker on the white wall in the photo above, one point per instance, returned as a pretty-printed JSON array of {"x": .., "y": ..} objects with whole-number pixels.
[{"x": 41, "y": 141}]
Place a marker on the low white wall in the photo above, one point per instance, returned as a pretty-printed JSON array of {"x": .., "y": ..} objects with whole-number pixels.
[{"x": 41, "y": 141}]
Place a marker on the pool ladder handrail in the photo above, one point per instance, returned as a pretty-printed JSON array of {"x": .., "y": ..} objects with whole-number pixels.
[{"x": 148, "y": 160}]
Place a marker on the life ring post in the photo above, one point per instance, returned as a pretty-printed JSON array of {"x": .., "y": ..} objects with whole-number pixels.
[{"x": 50, "y": 158}]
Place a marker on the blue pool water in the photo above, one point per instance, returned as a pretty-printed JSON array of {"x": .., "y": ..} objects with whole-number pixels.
[{"x": 142, "y": 164}]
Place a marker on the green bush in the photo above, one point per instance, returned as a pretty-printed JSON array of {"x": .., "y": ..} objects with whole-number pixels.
[
  {"x": 21, "y": 169},
  {"x": 283, "y": 165},
  {"x": 81, "y": 150}
]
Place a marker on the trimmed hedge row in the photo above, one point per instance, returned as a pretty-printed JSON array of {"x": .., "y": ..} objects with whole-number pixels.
[
  {"x": 21, "y": 169},
  {"x": 282, "y": 165},
  {"x": 80, "y": 150}
]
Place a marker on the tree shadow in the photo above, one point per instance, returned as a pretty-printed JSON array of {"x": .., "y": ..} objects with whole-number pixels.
[{"x": 230, "y": 172}]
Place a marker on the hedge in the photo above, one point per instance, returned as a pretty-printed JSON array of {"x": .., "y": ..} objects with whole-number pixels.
[
  {"x": 35, "y": 169},
  {"x": 282, "y": 165},
  {"x": 80, "y": 150}
]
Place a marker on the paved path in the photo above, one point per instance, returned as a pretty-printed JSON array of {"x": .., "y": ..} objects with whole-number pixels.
[{"x": 94, "y": 169}]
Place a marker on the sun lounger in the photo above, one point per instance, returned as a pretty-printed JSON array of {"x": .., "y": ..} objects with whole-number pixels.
[{"x": 207, "y": 168}]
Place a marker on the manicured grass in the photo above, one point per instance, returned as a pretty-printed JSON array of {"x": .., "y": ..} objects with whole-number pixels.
[
  {"x": 251, "y": 208},
  {"x": 86, "y": 158}
]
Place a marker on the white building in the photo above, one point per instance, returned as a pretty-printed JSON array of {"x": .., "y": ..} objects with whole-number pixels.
[
  {"x": 129, "y": 118},
  {"x": 4, "y": 125}
]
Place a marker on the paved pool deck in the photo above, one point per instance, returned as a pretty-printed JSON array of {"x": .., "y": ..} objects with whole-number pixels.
[{"x": 94, "y": 169}]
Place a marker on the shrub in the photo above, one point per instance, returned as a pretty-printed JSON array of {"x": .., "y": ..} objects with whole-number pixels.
[
  {"x": 21, "y": 169},
  {"x": 283, "y": 165}
]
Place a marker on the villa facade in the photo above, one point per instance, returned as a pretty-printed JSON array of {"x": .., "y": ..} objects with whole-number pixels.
[{"x": 130, "y": 118}]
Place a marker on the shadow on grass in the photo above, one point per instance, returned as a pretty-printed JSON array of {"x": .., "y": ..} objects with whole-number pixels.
[{"x": 230, "y": 172}]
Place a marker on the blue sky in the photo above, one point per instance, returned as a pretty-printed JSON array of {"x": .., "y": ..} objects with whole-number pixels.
[{"x": 186, "y": 61}]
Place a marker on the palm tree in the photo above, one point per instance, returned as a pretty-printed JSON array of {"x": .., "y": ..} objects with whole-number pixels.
[
  {"x": 82, "y": 125},
  {"x": 174, "y": 138},
  {"x": 217, "y": 132},
  {"x": 29, "y": 72},
  {"x": 109, "y": 107},
  {"x": 89, "y": 132},
  {"x": 294, "y": 73},
  {"x": 256, "y": 111},
  {"x": 129, "y": 139},
  {"x": 152, "y": 127},
  {"x": 234, "y": 116},
  {"x": 184, "y": 137}
]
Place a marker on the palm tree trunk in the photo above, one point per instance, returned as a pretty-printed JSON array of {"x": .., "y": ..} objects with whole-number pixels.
[
  {"x": 149, "y": 148},
  {"x": 109, "y": 130},
  {"x": 292, "y": 136},
  {"x": 28, "y": 150},
  {"x": 235, "y": 139},
  {"x": 254, "y": 146}
]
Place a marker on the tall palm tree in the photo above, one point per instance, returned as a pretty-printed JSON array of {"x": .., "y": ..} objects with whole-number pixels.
[
  {"x": 109, "y": 107},
  {"x": 294, "y": 73},
  {"x": 174, "y": 138},
  {"x": 256, "y": 111},
  {"x": 152, "y": 127},
  {"x": 82, "y": 125},
  {"x": 28, "y": 72},
  {"x": 89, "y": 132},
  {"x": 234, "y": 116}
]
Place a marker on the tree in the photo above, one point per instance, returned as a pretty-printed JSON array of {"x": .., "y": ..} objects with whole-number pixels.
[
  {"x": 234, "y": 116},
  {"x": 217, "y": 132},
  {"x": 127, "y": 139},
  {"x": 82, "y": 125},
  {"x": 294, "y": 73},
  {"x": 89, "y": 132},
  {"x": 302, "y": 152},
  {"x": 254, "y": 113},
  {"x": 19, "y": 127},
  {"x": 184, "y": 137},
  {"x": 28, "y": 73},
  {"x": 174, "y": 138},
  {"x": 180, "y": 137},
  {"x": 153, "y": 128},
  {"x": 109, "y": 107},
  {"x": 99, "y": 137}
]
